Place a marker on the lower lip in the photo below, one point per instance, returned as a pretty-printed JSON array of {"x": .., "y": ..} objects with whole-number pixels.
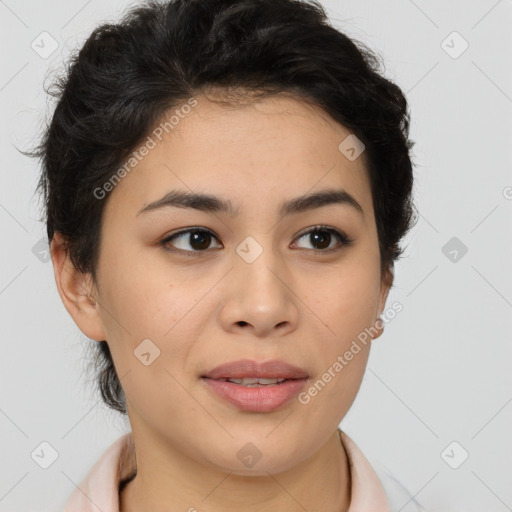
[{"x": 257, "y": 399}]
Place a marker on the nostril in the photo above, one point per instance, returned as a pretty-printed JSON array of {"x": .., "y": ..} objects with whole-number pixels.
[{"x": 242, "y": 323}]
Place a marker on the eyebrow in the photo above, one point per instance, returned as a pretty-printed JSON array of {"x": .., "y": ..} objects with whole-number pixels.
[{"x": 212, "y": 204}]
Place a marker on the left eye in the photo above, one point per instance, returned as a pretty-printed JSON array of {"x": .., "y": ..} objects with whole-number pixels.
[
  {"x": 321, "y": 236},
  {"x": 200, "y": 239}
]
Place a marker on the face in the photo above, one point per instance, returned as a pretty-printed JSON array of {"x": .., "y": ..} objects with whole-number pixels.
[{"x": 207, "y": 286}]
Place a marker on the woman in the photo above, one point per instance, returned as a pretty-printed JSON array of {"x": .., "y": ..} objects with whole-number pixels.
[{"x": 226, "y": 185}]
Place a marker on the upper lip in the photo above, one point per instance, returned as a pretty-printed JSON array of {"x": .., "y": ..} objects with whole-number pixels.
[{"x": 274, "y": 369}]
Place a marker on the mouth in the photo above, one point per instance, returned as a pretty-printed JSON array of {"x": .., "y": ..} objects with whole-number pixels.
[{"x": 256, "y": 387}]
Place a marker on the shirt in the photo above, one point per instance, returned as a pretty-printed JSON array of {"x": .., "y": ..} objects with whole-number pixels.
[{"x": 99, "y": 491}]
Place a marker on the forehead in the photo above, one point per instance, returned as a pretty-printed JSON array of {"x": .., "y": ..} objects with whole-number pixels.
[{"x": 254, "y": 154}]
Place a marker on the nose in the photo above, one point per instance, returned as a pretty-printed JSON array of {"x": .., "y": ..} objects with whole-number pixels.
[{"x": 260, "y": 298}]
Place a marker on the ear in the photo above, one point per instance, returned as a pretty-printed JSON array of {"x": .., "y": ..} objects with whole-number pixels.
[
  {"x": 76, "y": 291},
  {"x": 385, "y": 285}
]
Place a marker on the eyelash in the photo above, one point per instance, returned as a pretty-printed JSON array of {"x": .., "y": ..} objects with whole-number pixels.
[{"x": 343, "y": 239}]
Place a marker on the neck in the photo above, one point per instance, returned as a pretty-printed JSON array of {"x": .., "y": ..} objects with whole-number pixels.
[{"x": 322, "y": 482}]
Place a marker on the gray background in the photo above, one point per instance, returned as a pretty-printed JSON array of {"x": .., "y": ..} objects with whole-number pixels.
[{"x": 440, "y": 373}]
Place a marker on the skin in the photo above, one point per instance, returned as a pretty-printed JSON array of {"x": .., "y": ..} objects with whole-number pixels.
[{"x": 298, "y": 304}]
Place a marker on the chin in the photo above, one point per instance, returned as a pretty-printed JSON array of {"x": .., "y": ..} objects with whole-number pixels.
[{"x": 247, "y": 458}]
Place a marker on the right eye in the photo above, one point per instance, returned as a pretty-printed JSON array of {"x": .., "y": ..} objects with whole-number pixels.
[{"x": 197, "y": 238}]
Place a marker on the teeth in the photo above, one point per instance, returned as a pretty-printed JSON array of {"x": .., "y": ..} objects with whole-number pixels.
[
  {"x": 270, "y": 381},
  {"x": 254, "y": 381}
]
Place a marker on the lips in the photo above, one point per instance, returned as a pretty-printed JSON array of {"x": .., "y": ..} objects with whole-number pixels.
[
  {"x": 248, "y": 368},
  {"x": 261, "y": 397}
]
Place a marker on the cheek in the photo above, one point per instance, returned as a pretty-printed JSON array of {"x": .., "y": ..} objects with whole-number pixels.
[
  {"x": 157, "y": 303},
  {"x": 347, "y": 300},
  {"x": 346, "y": 306},
  {"x": 149, "y": 333},
  {"x": 147, "y": 300}
]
